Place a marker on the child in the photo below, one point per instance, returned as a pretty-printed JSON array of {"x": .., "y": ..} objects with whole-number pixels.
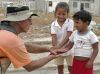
[
  {"x": 85, "y": 44},
  {"x": 61, "y": 30}
]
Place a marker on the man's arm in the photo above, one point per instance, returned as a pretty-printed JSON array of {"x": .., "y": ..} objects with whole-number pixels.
[
  {"x": 33, "y": 48},
  {"x": 65, "y": 40},
  {"x": 39, "y": 63}
]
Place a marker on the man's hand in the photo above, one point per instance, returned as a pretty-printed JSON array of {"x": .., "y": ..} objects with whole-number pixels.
[{"x": 54, "y": 56}]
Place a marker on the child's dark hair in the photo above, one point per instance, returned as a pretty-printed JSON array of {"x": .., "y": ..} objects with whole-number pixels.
[
  {"x": 83, "y": 15},
  {"x": 63, "y": 5}
]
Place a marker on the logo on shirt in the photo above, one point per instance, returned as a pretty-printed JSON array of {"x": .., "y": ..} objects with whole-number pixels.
[{"x": 79, "y": 43}]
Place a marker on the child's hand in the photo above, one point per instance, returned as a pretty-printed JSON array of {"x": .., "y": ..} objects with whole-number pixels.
[
  {"x": 53, "y": 50},
  {"x": 89, "y": 65},
  {"x": 59, "y": 51},
  {"x": 55, "y": 47}
]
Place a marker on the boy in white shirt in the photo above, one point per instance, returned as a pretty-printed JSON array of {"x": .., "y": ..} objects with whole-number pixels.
[
  {"x": 85, "y": 44},
  {"x": 61, "y": 30}
]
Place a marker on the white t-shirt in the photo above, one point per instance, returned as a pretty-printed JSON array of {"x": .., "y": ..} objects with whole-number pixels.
[
  {"x": 83, "y": 43},
  {"x": 61, "y": 32}
]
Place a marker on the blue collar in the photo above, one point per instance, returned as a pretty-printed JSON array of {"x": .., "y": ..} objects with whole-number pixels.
[{"x": 6, "y": 26}]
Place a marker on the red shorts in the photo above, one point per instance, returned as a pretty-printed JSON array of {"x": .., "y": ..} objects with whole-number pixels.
[{"x": 79, "y": 67}]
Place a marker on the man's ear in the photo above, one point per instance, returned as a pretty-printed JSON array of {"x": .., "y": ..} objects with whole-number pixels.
[{"x": 19, "y": 23}]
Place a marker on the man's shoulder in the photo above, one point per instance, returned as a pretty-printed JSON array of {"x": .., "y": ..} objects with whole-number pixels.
[
  {"x": 5, "y": 32},
  {"x": 7, "y": 35}
]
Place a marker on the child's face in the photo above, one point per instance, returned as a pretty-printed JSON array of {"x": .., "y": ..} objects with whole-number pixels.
[
  {"x": 61, "y": 14},
  {"x": 80, "y": 25}
]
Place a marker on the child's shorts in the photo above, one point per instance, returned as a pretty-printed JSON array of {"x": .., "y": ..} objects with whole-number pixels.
[
  {"x": 60, "y": 60},
  {"x": 79, "y": 67}
]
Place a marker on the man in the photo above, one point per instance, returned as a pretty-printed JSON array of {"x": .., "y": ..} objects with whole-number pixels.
[{"x": 12, "y": 48}]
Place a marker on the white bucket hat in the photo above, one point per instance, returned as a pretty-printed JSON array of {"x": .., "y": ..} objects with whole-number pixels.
[{"x": 18, "y": 13}]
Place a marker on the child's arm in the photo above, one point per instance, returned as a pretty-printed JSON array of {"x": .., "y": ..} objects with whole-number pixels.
[
  {"x": 95, "y": 45},
  {"x": 69, "y": 31},
  {"x": 94, "y": 54},
  {"x": 54, "y": 39},
  {"x": 65, "y": 40},
  {"x": 95, "y": 51},
  {"x": 68, "y": 47},
  {"x": 54, "y": 44},
  {"x": 53, "y": 35},
  {"x": 69, "y": 44}
]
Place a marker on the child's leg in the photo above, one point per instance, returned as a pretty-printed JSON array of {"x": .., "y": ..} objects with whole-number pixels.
[
  {"x": 69, "y": 60},
  {"x": 60, "y": 64},
  {"x": 5, "y": 62},
  {"x": 60, "y": 69},
  {"x": 79, "y": 67}
]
